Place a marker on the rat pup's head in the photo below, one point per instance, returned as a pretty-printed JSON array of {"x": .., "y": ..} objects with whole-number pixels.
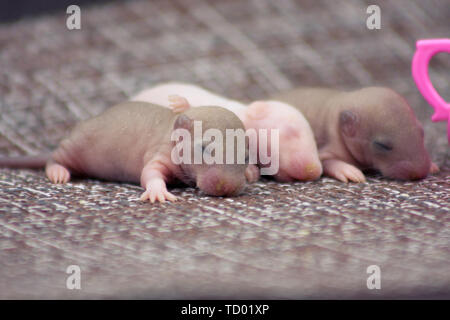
[
  {"x": 381, "y": 131},
  {"x": 297, "y": 150},
  {"x": 205, "y": 163}
]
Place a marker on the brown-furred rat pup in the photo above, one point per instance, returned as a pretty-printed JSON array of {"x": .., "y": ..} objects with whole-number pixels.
[
  {"x": 131, "y": 142},
  {"x": 370, "y": 128}
]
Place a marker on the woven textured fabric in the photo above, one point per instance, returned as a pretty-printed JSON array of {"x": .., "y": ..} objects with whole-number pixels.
[{"x": 278, "y": 240}]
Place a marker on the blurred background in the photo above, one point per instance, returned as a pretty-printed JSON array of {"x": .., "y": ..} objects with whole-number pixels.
[
  {"x": 278, "y": 240},
  {"x": 243, "y": 49}
]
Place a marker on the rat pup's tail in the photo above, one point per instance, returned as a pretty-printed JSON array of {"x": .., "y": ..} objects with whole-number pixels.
[{"x": 24, "y": 162}]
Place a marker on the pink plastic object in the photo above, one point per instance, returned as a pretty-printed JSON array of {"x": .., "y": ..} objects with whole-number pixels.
[{"x": 426, "y": 49}]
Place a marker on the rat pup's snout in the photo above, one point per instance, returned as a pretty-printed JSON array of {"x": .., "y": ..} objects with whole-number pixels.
[
  {"x": 409, "y": 170},
  {"x": 216, "y": 183}
]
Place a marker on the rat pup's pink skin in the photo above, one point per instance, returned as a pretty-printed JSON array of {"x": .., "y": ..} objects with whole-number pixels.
[
  {"x": 131, "y": 142},
  {"x": 298, "y": 155},
  {"x": 372, "y": 127}
]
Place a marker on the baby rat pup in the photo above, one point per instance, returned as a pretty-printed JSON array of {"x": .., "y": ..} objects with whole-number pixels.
[
  {"x": 297, "y": 154},
  {"x": 372, "y": 127},
  {"x": 132, "y": 142}
]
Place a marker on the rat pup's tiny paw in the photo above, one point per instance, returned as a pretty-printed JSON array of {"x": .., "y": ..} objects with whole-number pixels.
[
  {"x": 434, "y": 168},
  {"x": 160, "y": 195},
  {"x": 355, "y": 175},
  {"x": 57, "y": 174},
  {"x": 252, "y": 173},
  {"x": 343, "y": 171},
  {"x": 178, "y": 104}
]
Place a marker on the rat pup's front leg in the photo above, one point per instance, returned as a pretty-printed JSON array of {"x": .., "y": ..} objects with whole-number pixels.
[
  {"x": 434, "y": 168},
  {"x": 342, "y": 171},
  {"x": 56, "y": 172},
  {"x": 153, "y": 178},
  {"x": 252, "y": 173}
]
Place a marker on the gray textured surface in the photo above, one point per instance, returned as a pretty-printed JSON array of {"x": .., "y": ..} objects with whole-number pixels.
[{"x": 277, "y": 240}]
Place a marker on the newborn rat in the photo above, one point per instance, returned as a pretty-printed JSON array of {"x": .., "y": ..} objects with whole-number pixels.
[
  {"x": 298, "y": 156},
  {"x": 131, "y": 142},
  {"x": 372, "y": 127}
]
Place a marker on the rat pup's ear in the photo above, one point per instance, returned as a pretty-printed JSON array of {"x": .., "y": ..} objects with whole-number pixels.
[
  {"x": 257, "y": 110},
  {"x": 183, "y": 121},
  {"x": 349, "y": 122}
]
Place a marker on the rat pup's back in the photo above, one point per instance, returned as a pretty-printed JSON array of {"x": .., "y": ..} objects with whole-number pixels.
[{"x": 115, "y": 144}]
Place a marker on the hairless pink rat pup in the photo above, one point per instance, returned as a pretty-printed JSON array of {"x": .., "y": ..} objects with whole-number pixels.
[
  {"x": 372, "y": 127},
  {"x": 131, "y": 142},
  {"x": 298, "y": 156}
]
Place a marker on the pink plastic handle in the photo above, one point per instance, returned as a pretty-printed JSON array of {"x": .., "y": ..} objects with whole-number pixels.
[{"x": 426, "y": 49}]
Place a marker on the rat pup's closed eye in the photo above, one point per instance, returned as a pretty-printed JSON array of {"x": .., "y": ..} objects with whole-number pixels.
[{"x": 383, "y": 146}]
